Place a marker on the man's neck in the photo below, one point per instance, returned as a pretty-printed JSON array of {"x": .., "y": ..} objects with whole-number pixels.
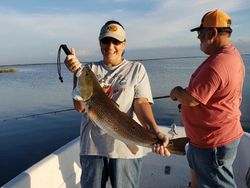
[{"x": 220, "y": 43}]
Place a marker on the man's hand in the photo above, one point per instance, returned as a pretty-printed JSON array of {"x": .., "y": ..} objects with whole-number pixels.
[
  {"x": 174, "y": 93},
  {"x": 180, "y": 94}
]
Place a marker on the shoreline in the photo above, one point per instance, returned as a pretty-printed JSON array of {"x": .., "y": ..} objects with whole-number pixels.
[{"x": 8, "y": 70}]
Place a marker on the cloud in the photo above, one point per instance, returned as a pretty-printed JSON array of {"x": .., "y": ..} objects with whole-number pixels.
[
  {"x": 167, "y": 26},
  {"x": 41, "y": 33},
  {"x": 36, "y": 36}
]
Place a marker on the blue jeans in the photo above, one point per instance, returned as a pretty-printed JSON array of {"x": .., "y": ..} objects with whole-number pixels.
[
  {"x": 213, "y": 167},
  {"x": 123, "y": 173}
]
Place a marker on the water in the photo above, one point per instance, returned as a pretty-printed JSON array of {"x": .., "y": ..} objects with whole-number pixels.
[
  {"x": 26, "y": 138},
  {"x": 24, "y": 141}
]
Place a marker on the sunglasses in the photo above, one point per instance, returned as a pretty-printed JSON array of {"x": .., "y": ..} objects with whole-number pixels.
[
  {"x": 199, "y": 31},
  {"x": 110, "y": 40}
]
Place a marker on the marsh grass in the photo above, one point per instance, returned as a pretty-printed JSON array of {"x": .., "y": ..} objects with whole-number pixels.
[{"x": 7, "y": 70}]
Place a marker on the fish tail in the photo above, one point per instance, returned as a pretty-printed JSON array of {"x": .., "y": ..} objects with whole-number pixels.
[{"x": 177, "y": 146}]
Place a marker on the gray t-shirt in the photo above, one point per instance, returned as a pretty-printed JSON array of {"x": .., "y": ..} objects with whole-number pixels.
[{"x": 123, "y": 83}]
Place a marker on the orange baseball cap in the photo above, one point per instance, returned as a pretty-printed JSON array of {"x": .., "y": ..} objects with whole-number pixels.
[{"x": 216, "y": 19}]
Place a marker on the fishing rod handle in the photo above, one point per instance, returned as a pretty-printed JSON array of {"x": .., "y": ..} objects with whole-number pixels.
[{"x": 65, "y": 49}]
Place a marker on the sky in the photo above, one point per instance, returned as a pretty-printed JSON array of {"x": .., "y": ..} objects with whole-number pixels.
[{"x": 32, "y": 31}]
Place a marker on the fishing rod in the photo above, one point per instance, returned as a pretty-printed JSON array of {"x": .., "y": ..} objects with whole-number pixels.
[
  {"x": 161, "y": 97},
  {"x": 59, "y": 111},
  {"x": 67, "y": 52},
  {"x": 39, "y": 114}
]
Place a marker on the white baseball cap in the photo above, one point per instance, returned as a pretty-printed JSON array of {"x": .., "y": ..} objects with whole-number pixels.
[{"x": 113, "y": 30}]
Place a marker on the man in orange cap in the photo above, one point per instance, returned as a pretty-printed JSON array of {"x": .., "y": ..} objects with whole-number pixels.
[{"x": 211, "y": 104}]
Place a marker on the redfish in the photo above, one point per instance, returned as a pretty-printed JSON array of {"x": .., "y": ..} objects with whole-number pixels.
[{"x": 105, "y": 113}]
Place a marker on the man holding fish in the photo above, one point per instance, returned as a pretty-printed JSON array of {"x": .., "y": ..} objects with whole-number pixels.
[{"x": 102, "y": 153}]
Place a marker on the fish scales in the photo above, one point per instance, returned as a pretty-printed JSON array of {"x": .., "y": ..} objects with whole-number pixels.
[{"x": 119, "y": 124}]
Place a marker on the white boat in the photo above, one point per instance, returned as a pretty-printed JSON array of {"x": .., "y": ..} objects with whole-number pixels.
[{"x": 61, "y": 169}]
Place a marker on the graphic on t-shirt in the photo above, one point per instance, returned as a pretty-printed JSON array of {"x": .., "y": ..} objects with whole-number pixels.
[
  {"x": 112, "y": 85},
  {"x": 107, "y": 90}
]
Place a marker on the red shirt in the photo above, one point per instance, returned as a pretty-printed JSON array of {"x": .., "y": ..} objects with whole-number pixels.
[{"x": 217, "y": 84}]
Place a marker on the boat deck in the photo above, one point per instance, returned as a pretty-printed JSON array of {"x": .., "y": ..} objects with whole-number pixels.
[{"x": 61, "y": 169}]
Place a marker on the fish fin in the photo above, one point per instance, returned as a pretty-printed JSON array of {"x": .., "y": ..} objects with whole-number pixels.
[
  {"x": 133, "y": 148},
  {"x": 177, "y": 145},
  {"x": 93, "y": 123},
  {"x": 116, "y": 105}
]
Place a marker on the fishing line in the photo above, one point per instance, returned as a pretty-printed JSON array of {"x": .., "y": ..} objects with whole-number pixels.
[
  {"x": 58, "y": 63},
  {"x": 67, "y": 52},
  {"x": 59, "y": 111}
]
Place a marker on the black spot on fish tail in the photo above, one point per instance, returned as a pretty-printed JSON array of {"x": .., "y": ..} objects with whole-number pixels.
[{"x": 170, "y": 143}]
